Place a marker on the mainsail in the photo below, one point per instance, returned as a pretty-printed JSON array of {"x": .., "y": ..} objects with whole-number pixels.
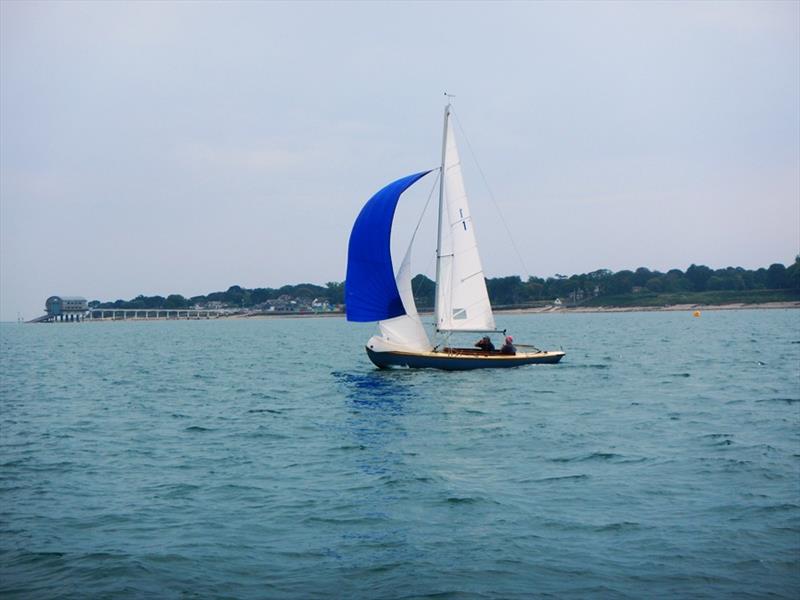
[{"x": 462, "y": 301}]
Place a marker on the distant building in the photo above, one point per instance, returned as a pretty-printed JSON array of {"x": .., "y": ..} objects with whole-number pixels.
[
  {"x": 66, "y": 308},
  {"x": 58, "y": 305}
]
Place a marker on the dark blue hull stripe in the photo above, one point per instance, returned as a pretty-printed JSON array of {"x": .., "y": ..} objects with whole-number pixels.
[{"x": 456, "y": 362}]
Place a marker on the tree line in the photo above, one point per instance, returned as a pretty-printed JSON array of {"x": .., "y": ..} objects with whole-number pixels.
[
  {"x": 512, "y": 290},
  {"x": 234, "y": 296}
]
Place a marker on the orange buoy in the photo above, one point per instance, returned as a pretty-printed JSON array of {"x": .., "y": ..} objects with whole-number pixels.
[{"x": 696, "y": 313}]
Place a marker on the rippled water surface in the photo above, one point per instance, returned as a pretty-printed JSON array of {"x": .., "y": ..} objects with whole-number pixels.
[{"x": 269, "y": 459}]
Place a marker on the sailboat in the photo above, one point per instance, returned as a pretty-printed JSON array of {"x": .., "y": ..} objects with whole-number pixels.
[{"x": 375, "y": 292}]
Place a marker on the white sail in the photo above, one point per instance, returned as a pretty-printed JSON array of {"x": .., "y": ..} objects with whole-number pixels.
[
  {"x": 405, "y": 332},
  {"x": 462, "y": 302}
]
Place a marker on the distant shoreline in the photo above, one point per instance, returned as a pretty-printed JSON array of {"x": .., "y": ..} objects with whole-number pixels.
[
  {"x": 569, "y": 309},
  {"x": 500, "y": 311}
]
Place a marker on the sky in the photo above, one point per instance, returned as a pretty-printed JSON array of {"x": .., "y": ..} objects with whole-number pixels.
[{"x": 157, "y": 147}]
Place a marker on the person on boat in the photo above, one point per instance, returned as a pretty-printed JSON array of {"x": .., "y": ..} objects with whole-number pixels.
[
  {"x": 485, "y": 344},
  {"x": 508, "y": 347}
]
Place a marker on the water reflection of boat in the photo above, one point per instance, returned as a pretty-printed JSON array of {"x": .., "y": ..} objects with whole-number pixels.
[
  {"x": 374, "y": 389},
  {"x": 375, "y": 293}
]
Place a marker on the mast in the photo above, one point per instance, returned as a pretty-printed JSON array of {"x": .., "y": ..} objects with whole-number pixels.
[{"x": 441, "y": 215}]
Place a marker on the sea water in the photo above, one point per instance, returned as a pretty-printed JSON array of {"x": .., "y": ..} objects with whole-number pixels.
[{"x": 269, "y": 459}]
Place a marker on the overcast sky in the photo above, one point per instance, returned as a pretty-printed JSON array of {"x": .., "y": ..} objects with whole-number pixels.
[{"x": 157, "y": 148}]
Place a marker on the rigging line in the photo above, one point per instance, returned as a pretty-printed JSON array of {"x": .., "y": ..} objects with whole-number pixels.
[
  {"x": 491, "y": 195},
  {"x": 427, "y": 203},
  {"x": 419, "y": 222}
]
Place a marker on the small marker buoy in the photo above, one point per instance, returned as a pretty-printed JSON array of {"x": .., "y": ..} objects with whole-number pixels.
[{"x": 696, "y": 313}]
